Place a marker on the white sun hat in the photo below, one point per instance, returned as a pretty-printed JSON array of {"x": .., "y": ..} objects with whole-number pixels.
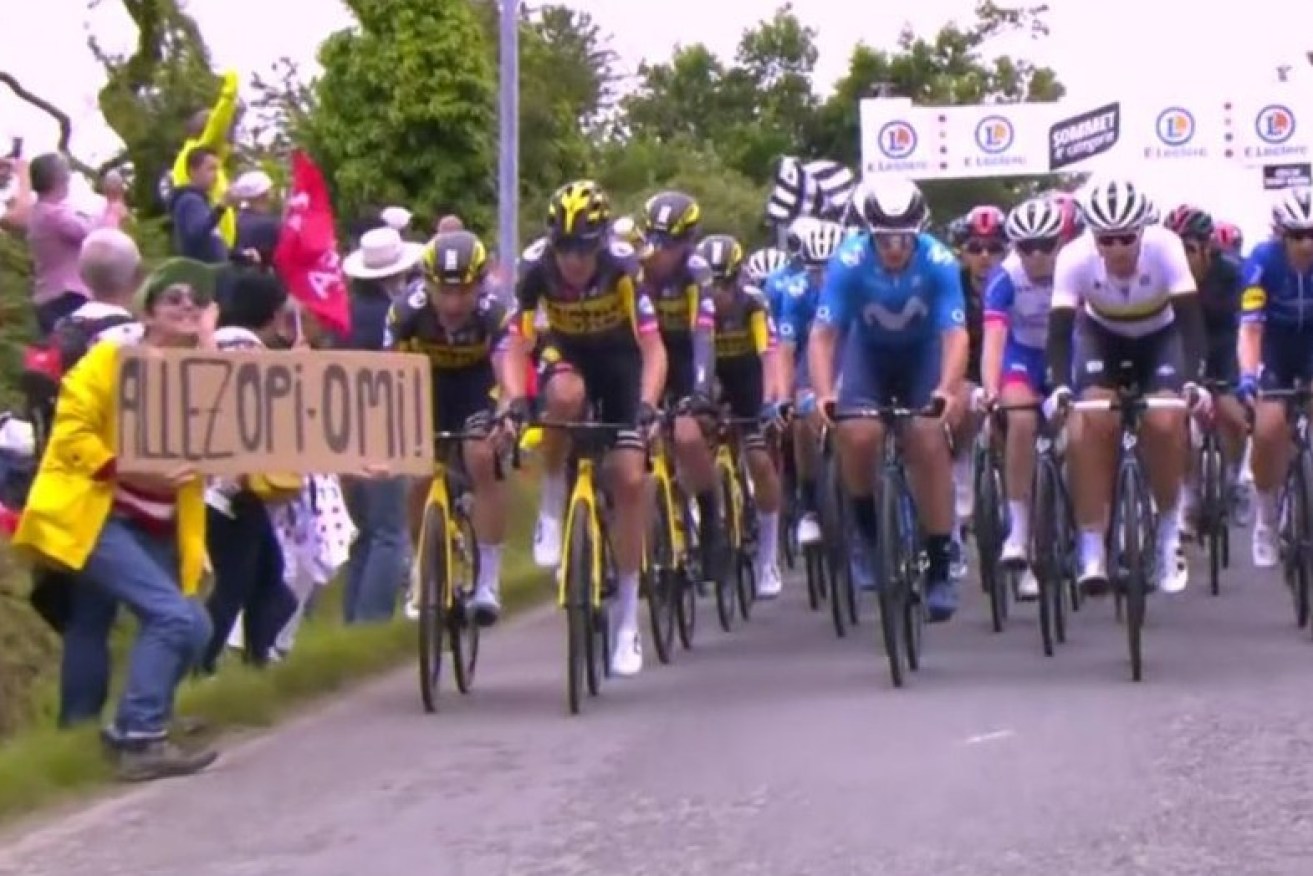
[
  {"x": 396, "y": 217},
  {"x": 382, "y": 253}
]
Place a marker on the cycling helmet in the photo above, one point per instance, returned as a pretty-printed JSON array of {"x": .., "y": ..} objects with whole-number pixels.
[
  {"x": 820, "y": 243},
  {"x": 723, "y": 255},
  {"x": 1293, "y": 210},
  {"x": 1036, "y": 219},
  {"x": 1190, "y": 222},
  {"x": 1152, "y": 217},
  {"x": 891, "y": 205},
  {"x": 798, "y": 229},
  {"x": 1115, "y": 205},
  {"x": 578, "y": 211},
  {"x": 764, "y": 262},
  {"x": 454, "y": 258},
  {"x": 958, "y": 231},
  {"x": 626, "y": 229},
  {"x": 671, "y": 216},
  {"x": 1227, "y": 238},
  {"x": 985, "y": 223}
]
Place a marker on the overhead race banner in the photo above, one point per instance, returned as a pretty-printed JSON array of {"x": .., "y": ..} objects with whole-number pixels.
[
  {"x": 1286, "y": 176},
  {"x": 263, "y": 411},
  {"x": 1026, "y": 139}
]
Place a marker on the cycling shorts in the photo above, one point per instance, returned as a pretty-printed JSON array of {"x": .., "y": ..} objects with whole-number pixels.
[
  {"x": 742, "y": 389},
  {"x": 1287, "y": 357},
  {"x": 612, "y": 382},
  {"x": 1220, "y": 362},
  {"x": 1024, "y": 366},
  {"x": 1154, "y": 362},
  {"x": 462, "y": 401},
  {"x": 875, "y": 375},
  {"x": 681, "y": 378}
]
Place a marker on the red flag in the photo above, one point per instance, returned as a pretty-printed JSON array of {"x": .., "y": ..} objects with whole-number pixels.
[{"x": 306, "y": 258}]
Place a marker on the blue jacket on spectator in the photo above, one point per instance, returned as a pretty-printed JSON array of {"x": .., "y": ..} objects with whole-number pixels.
[
  {"x": 196, "y": 226},
  {"x": 369, "y": 315}
]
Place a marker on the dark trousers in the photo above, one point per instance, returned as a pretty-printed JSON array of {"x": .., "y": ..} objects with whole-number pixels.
[{"x": 248, "y": 579}]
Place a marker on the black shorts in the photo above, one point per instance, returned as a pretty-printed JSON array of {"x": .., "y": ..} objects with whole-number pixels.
[
  {"x": 681, "y": 378},
  {"x": 742, "y": 389},
  {"x": 1104, "y": 359},
  {"x": 1287, "y": 357},
  {"x": 1221, "y": 364},
  {"x": 612, "y": 381},
  {"x": 462, "y": 401}
]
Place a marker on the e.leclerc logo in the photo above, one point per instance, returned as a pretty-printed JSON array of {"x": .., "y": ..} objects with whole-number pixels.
[
  {"x": 1275, "y": 125},
  {"x": 995, "y": 137},
  {"x": 1175, "y": 129},
  {"x": 897, "y": 142}
]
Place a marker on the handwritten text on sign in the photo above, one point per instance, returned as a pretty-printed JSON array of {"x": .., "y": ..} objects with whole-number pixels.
[{"x": 241, "y": 412}]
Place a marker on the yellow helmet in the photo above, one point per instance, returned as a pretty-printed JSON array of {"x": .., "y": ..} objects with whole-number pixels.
[
  {"x": 579, "y": 211},
  {"x": 671, "y": 217},
  {"x": 455, "y": 258},
  {"x": 723, "y": 255}
]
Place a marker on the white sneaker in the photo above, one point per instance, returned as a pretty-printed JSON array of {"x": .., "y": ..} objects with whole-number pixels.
[
  {"x": 1013, "y": 553},
  {"x": 547, "y": 542},
  {"x": 627, "y": 655},
  {"x": 1264, "y": 546},
  {"x": 485, "y": 604},
  {"x": 1028, "y": 586},
  {"x": 1093, "y": 575},
  {"x": 412, "y": 594},
  {"x": 809, "y": 530},
  {"x": 769, "y": 582},
  {"x": 1173, "y": 571}
]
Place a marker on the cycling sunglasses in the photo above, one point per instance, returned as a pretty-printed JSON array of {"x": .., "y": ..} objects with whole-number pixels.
[
  {"x": 577, "y": 246},
  {"x": 979, "y": 247},
  {"x": 1046, "y": 246},
  {"x": 1127, "y": 238},
  {"x": 1299, "y": 234}
]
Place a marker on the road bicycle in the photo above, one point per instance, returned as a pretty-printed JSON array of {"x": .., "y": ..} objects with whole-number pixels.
[
  {"x": 670, "y": 568},
  {"x": 990, "y": 519},
  {"x": 738, "y": 522},
  {"x": 449, "y": 570},
  {"x": 829, "y": 561},
  {"x": 1214, "y": 489},
  {"x": 1295, "y": 506}
]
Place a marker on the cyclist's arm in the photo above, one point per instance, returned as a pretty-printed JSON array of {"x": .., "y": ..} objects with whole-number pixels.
[
  {"x": 951, "y": 321},
  {"x": 511, "y": 380},
  {"x": 1187, "y": 308},
  {"x": 702, "y": 307},
  {"x": 1000, "y": 294},
  {"x": 520, "y": 332},
  {"x": 650, "y": 346},
  {"x": 762, "y": 328},
  {"x": 832, "y": 315},
  {"x": 1062, "y": 316},
  {"x": 1253, "y": 313}
]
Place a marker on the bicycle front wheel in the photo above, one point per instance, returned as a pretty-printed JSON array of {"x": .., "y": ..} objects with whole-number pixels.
[
  {"x": 893, "y": 585},
  {"x": 1131, "y": 561},
  {"x": 990, "y": 524},
  {"x": 461, "y": 629},
  {"x": 660, "y": 579},
  {"x": 579, "y": 606},
  {"x": 1045, "y": 560},
  {"x": 432, "y": 604},
  {"x": 732, "y": 539},
  {"x": 1213, "y": 516}
]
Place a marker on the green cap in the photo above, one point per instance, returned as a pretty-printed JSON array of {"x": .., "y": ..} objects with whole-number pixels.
[{"x": 198, "y": 276}]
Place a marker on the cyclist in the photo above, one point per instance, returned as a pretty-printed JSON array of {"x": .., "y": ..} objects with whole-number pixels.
[
  {"x": 1276, "y": 349},
  {"x": 897, "y": 293},
  {"x": 462, "y": 329},
  {"x": 678, "y": 283},
  {"x": 603, "y": 347},
  {"x": 764, "y": 262},
  {"x": 1217, "y": 276},
  {"x": 955, "y": 233},
  {"x": 1012, "y": 368},
  {"x": 1138, "y": 304},
  {"x": 777, "y": 285},
  {"x": 817, "y": 245},
  {"x": 749, "y": 375}
]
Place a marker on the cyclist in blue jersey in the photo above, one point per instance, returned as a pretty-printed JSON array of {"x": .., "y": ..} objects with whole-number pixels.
[
  {"x": 897, "y": 294},
  {"x": 1276, "y": 348},
  {"x": 793, "y": 323},
  {"x": 764, "y": 262}
]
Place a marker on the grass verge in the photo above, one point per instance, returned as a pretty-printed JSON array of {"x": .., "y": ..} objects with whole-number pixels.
[{"x": 42, "y": 766}]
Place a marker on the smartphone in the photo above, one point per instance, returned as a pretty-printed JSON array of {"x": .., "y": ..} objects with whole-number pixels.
[{"x": 16, "y": 148}]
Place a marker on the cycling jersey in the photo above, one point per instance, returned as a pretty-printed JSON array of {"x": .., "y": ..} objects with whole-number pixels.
[
  {"x": 975, "y": 324},
  {"x": 744, "y": 333},
  {"x": 1275, "y": 293},
  {"x": 1134, "y": 307},
  {"x": 800, "y": 298},
  {"x": 1020, "y": 304},
  {"x": 1219, "y": 294},
  {"x": 776, "y": 286},
  {"x": 686, "y": 316}
]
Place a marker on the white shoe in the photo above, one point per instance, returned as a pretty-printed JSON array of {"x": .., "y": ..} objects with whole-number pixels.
[
  {"x": 412, "y": 594},
  {"x": 485, "y": 604},
  {"x": 1013, "y": 553},
  {"x": 1173, "y": 571},
  {"x": 547, "y": 542},
  {"x": 769, "y": 582},
  {"x": 1028, "y": 586},
  {"x": 627, "y": 655},
  {"x": 1093, "y": 575},
  {"x": 809, "y": 530},
  {"x": 1264, "y": 546}
]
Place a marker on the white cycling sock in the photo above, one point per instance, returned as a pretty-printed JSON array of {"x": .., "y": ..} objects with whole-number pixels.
[
  {"x": 490, "y": 566},
  {"x": 627, "y": 601},
  {"x": 552, "y": 496},
  {"x": 1020, "y": 513},
  {"x": 768, "y": 536}
]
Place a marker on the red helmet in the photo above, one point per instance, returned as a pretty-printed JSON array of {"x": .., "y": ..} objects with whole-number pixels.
[
  {"x": 986, "y": 223},
  {"x": 1228, "y": 238},
  {"x": 1192, "y": 222},
  {"x": 1072, "y": 221}
]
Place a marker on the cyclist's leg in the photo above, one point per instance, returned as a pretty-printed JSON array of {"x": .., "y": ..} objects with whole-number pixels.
[
  {"x": 742, "y": 388},
  {"x": 1161, "y": 368},
  {"x": 1022, "y": 384},
  {"x": 1285, "y": 354},
  {"x": 1232, "y": 428},
  {"x": 563, "y": 394},
  {"x": 858, "y": 443},
  {"x": 806, "y": 458},
  {"x": 694, "y": 461},
  {"x": 479, "y": 457},
  {"x": 1092, "y": 455},
  {"x": 930, "y": 466}
]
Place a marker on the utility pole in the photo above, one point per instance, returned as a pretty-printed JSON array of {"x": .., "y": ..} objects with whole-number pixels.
[{"x": 508, "y": 139}]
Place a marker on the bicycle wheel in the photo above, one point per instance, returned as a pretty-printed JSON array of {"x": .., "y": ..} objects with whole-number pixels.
[
  {"x": 1062, "y": 555},
  {"x": 745, "y": 579},
  {"x": 1212, "y": 522},
  {"x": 1304, "y": 532},
  {"x": 661, "y": 580},
  {"x": 578, "y": 606},
  {"x": 1044, "y": 563},
  {"x": 461, "y": 630},
  {"x": 893, "y": 587},
  {"x": 834, "y": 519},
  {"x": 1131, "y": 560},
  {"x": 432, "y": 609},
  {"x": 1297, "y": 523},
  {"x": 731, "y": 533},
  {"x": 686, "y": 603},
  {"x": 989, "y": 524},
  {"x": 789, "y": 514},
  {"x": 914, "y": 574}
]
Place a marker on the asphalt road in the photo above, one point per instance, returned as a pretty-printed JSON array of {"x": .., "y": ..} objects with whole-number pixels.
[{"x": 776, "y": 750}]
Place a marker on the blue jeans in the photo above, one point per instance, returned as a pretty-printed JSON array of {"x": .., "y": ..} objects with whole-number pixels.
[
  {"x": 140, "y": 569},
  {"x": 85, "y": 667},
  {"x": 380, "y": 556}
]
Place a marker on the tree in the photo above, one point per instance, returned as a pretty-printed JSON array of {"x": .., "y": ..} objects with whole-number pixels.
[{"x": 404, "y": 109}]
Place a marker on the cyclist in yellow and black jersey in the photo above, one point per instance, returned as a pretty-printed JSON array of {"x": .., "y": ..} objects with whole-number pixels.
[
  {"x": 464, "y": 332},
  {"x": 603, "y": 346},
  {"x": 750, "y": 384}
]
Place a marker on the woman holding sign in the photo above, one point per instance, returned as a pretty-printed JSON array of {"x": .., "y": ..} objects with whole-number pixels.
[{"x": 137, "y": 538}]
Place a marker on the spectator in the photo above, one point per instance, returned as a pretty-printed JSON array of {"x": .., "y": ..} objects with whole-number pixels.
[
  {"x": 55, "y": 231},
  {"x": 110, "y": 266},
  {"x": 450, "y": 223},
  {"x": 379, "y": 557},
  {"x": 244, "y": 549},
  {"x": 396, "y": 218},
  {"x": 138, "y": 539},
  {"x": 212, "y": 129},
  {"x": 258, "y": 225},
  {"x": 15, "y": 195},
  {"x": 196, "y": 233}
]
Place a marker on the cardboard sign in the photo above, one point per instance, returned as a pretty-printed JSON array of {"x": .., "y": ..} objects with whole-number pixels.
[
  {"x": 260, "y": 411},
  {"x": 1023, "y": 139}
]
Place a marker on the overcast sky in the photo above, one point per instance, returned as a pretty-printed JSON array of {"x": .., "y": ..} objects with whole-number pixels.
[{"x": 1102, "y": 50}]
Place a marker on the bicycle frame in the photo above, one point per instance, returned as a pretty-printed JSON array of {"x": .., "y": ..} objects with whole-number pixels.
[
  {"x": 583, "y": 493},
  {"x": 664, "y": 475}
]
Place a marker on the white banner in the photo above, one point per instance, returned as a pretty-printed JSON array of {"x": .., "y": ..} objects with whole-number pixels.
[{"x": 1025, "y": 139}]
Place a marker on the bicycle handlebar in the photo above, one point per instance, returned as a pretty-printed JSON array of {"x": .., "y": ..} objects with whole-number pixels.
[{"x": 932, "y": 411}]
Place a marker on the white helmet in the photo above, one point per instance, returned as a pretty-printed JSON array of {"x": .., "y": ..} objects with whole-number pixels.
[
  {"x": 890, "y": 204},
  {"x": 764, "y": 262},
  {"x": 1115, "y": 205},
  {"x": 820, "y": 242},
  {"x": 1036, "y": 219},
  {"x": 798, "y": 229},
  {"x": 1293, "y": 209}
]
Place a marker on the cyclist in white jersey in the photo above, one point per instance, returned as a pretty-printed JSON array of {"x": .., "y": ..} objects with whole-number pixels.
[
  {"x": 1125, "y": 311},
  {"x": 1012, "y": 370}
]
